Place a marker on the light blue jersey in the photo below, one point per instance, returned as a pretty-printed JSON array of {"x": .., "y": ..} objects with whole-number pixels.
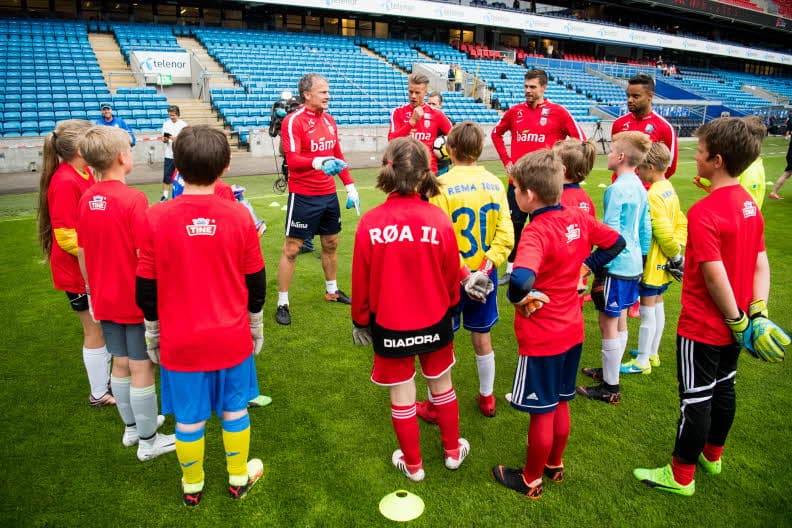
[
  {"x": 119, "y": 123},
  {"x": 627, "y": 211}
]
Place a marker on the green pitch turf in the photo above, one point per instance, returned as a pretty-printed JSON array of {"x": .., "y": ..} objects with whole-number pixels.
[{"x": 326, "y": 440}]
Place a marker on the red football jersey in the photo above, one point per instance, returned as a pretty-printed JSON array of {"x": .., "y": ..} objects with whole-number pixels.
[
  {"x": 574, "y": 196},
  {"x": 433, "y": 123},
  {"x": 223, "y": 190},
  {"x": 657, "y": 128},
  {"x": 306, "y": 135},
  {"x": 725, "y": 225},
  {"x": 554, "y": 245},
  {"x": 199, "y": 249},
  {"x": 405, "y": 267},
  {"x": 533, "y": 129},
  {"x": 108, "y": 230},
  {"x": 63, "y": 198}
]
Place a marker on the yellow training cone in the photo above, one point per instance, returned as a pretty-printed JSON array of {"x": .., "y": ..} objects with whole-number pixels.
[{"x": 402, "y": 506}]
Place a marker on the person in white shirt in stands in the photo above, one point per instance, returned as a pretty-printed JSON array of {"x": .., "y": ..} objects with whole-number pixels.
[{"x": 170, "y": 129}]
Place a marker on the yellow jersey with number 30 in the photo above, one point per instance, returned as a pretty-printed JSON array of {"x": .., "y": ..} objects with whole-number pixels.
[{"x": 475, "y": 200}]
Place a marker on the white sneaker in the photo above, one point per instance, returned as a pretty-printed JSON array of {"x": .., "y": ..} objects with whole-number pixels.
[
  {"x": 508, "y": 397},
  {"x": 159, "y": 445},
  {"x": 454, "y": 457},
  {"x": 415, "y": 473},
  {"x": 131, "y": 437}
]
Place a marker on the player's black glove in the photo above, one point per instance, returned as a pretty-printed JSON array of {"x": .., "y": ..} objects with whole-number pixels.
[{"x": 676, "y": 267}]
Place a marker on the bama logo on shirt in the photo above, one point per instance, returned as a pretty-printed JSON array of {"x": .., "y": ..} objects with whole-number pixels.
[
  {"x": 201, "y": 227},
  {"x": 530, "y": 137},
  {"x": 749, "y": 209},
  {"x": 97, "y": 203},
  {"x": 572, "y": 233},
  {"x": 322, "y": 144}
]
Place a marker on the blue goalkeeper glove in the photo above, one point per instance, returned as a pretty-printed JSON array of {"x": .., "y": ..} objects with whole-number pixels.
[
  {"x": 329, "y": 165},
  {"x": 353, "y": 198},
  {"x": 768, "y": 339}
]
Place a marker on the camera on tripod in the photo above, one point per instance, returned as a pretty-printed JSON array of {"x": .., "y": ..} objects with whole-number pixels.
[{"x": 287, "y": 104}]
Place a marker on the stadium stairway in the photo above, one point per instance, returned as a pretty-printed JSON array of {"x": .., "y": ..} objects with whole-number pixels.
[
  {"x": 111, "y": 61},
  {"x": 219, "y": 77},
  {"x": 197, "y": 112}
]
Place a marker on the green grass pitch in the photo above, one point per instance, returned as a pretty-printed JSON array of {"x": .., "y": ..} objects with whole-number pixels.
[{"x": 326, "y": 440}]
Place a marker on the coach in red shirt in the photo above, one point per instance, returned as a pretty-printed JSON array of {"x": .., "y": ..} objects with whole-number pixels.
[
  {"x": 417, "y": 120},
  {"x": 641, "y": 117},
  {"x": 313, "y": 154},
  {"x": 535, "y": 124}
]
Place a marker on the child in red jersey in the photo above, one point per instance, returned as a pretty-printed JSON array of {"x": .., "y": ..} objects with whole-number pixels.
[
  {"x": 403, "y": 313},
  {"x": 208, "y": 334},
  {"x": 724, "y": 306},
  {"x": 111, "y": 217},
  {"x": 64, "y": 178},
  {"x": 578, "y": 158},
  {"x": 554, "y": 247}
]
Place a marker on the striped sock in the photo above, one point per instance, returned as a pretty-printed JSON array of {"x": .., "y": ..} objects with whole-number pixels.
[
  {"x": 447, "y": 407},
  {"x": 120, "y": 388},
  {"x": 405, "y": 424}
]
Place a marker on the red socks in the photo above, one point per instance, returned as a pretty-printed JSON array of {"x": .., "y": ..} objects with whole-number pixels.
[
  {"x": 405, "y": 424},
  {"x": 683, "y": 473},
  {"x": 711, "y": 452},
  {"x": 561, "y": 427},
  {"x": 540, "y": 443},
  {"x": 447, "y": 407}
]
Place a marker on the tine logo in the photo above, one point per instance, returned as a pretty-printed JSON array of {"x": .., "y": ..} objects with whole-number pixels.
[
  {"x": 572, "y": 233},
  {"x": 97, "y": 203},
  {"x": 749, "y": 209},
  {"x": 202, "y": 227}
]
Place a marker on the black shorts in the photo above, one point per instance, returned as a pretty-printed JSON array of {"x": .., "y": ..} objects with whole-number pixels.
[
  {"x": 789, "y": 158},
  {"x": 78, "y": 301},
  {"x": 517, "y": 216},
  {"x": 167, "y": 171},
  {"x": 307, "y": 216}
]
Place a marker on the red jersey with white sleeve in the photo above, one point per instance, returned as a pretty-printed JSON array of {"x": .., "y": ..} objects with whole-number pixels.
[
  {"x": 573, "y": 195},
  {"x": 306, "y": 135},
  {"x": 725, "y": 226},
  {"x": 554, "y": 245},
  {"x": 108, "y": 230},
  {"x": 199, "y": 249},
  {"x": 405, "y": 276},
  {"x": 223, "y": 190},
  {"x": 533, "y": 129},
  {"x": 63, "y": 198},
  {"x": 433, "y": 123},
  {"x": 657, "y": 128}
]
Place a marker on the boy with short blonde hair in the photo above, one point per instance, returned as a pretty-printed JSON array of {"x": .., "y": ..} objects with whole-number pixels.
[
  {"x": 615, "y": 288},
  {"x": 111, "y": 217},
  {"x": 664, "y": 261},
  {"x": 475, "y": 200}
]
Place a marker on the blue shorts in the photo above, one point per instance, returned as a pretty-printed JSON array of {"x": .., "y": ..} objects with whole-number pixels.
[
  {"x": 476, "y": 316},
  {"x": 125, "y": 340},
  {"x": 540, "y": 382},
  {"x": 612, "y": 295},
  {"x": 644, "y": 290},
  {"x": 192, "y": 396},
  {"x": 307, "y": 216}
]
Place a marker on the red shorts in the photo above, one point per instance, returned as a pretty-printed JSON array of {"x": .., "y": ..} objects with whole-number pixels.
[{"x": 395, "y": 371}]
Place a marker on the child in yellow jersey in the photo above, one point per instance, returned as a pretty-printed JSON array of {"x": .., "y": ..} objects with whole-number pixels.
[
  {"x": 663, "y": 262},
  {"x": 475, "y": 200}
]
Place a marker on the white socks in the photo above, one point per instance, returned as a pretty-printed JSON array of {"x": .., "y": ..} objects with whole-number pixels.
[
  {"x": 486, "y": 373},
  {"x": 646, "y": 335},
  {"x": 659, "y": 313},
  {"x": 283, "y": 298},
  {"x": 97, "y": 365},
  {"x": 611, "y": 360},
  {"x": 331, "y": 286},
  {"x": 144, "y": 405},
  {"x": 121, "y": 394}
]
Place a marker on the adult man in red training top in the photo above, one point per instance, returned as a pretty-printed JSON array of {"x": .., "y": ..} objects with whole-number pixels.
[
  {"x": 641, "y": 117},
  {"x": 535, "y": 124},
  {"x": 313, "y": 153},
  {"x": 424, "y": 123}
]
